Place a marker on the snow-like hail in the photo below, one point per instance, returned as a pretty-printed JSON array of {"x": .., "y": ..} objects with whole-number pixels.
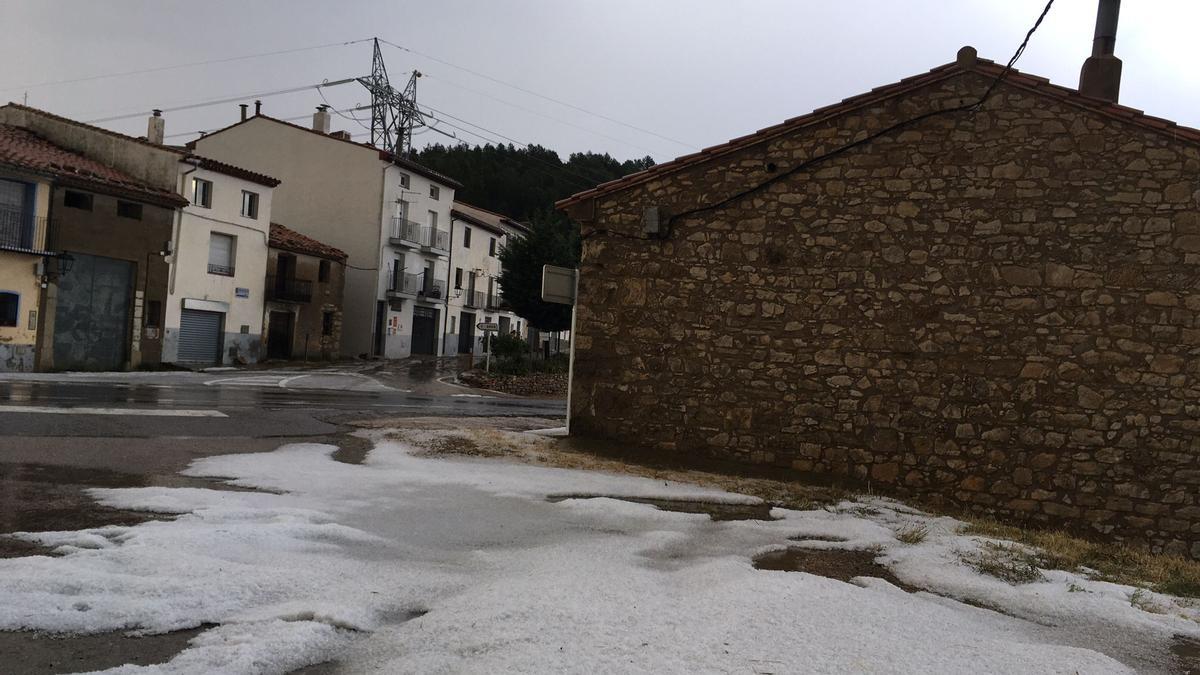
[{"x": 411, "y": 564}]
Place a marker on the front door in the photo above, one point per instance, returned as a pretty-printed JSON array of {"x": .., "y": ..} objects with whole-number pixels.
[
  {"x": 279, "y": 335},
  {"x": 380, "y": 325},
  {"x": 424, "y": 330},
  {"x": 91, "y": 319},
  {"x": 466, "y": 333}
]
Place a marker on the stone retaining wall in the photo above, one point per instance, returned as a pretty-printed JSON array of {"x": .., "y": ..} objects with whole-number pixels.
[{"x": 997, "y": 311}]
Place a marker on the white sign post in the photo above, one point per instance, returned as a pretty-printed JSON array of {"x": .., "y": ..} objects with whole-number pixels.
[
  {"x": 488, "y": 327},
  {"x": 560, "y": 285}
]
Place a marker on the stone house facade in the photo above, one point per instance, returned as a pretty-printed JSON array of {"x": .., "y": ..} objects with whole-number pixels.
[
  {"x": 305, "y": 284},
  {"x": 994, "y": 310}
]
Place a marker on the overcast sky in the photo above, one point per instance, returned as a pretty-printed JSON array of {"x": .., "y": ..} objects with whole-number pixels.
[{"x": 698, "y": 72}]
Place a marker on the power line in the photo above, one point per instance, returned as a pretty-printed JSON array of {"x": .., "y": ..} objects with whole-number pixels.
[
  {"x": 541, "y": 96},
  {"x": 284, "y": 119},
  {"x": 184, "y": 65},
  {"x": 212, "y": 102},
  {"x": 585, "y": 180},
  {"x": 541, "y": 114}
]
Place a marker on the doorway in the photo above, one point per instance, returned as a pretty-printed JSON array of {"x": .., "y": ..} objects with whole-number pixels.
[
  {"x": 466, "y": 333},
  {"x": 279, "y": 335},
  {"x": 424, "y": 330}
]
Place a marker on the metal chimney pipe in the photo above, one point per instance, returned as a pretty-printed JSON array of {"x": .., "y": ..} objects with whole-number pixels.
[
  {"x": 1101, "y": 73},
  {"x": 1105, "y": 42},
  {"x": 258, "y": 107},
  {"x": 244, "y": 107}
]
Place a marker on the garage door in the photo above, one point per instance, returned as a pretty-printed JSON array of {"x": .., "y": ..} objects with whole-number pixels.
[
  {"x": 200, "y": 337},
  {"x": 91, "y": 319}
]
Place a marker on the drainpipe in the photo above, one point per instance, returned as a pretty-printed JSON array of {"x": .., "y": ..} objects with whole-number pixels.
[
  {"x": 179, "y": 223},
  {"x": 449, "y": 269}
]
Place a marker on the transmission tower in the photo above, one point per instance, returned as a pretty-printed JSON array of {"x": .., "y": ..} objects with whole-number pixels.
[{"x": 393, "y": 113}]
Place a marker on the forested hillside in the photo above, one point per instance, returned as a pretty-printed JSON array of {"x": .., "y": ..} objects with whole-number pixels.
[{"x": 522, "y": 182}]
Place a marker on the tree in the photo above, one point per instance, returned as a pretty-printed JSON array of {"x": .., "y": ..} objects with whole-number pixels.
[{"x": 552, "y": 240}]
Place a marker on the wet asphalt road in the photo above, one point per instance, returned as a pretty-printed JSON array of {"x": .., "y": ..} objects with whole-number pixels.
[{"x": 249, "y": 411}]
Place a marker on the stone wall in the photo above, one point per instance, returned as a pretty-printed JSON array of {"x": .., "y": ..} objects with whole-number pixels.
[{"x": 996, "y": 311}]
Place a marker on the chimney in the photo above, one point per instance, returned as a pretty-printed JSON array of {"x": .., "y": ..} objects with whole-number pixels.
[
  {"x": 244, "y": 107},
  {"x": 321, "y": 119},
  {"x": 154, "y": 130},
  {"x": 258, "y": 107},
  {"x": 1101, "y": 74},
  {"x": 342, "y": 135}
]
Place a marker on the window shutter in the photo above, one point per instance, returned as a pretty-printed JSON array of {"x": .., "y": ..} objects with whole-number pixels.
[{"x": 220, "y": 250}]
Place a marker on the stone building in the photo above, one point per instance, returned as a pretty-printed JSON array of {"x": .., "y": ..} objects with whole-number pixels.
[
  {"x": 993, "y": 309},
  {"x": 304, "y": 289}
]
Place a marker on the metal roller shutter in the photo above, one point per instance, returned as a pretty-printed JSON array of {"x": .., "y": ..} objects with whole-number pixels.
[{"x": 200, "y": 336}]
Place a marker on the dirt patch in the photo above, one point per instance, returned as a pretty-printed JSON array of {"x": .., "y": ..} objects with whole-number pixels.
[
  {"x": 351, "y": 449},
  {"x": 497, "y": 438},
  {"x": 42, "y": 654},
  {"x": 840, "y": 564},
  {"x": 715, "y": 510}
]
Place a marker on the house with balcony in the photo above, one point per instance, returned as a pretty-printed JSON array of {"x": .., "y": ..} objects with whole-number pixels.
[
  {"x": 303, "y": 309},
  {"x": 85, "y": 223},
  {"x": 477, "y": 237},
  {"x": 388, "y": 214},
  {"x": 214, "y": 312}
]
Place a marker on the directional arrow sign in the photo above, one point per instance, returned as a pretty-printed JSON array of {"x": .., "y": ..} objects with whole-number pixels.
[{"x": 488, "y": 325}]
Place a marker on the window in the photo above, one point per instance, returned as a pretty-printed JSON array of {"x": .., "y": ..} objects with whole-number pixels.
[
  {"x": 466, "y": 237},
  {"x": 250, "y": 204},
  {"x": 327, "y": 323},
  {"x": 433, "y": 220},
  {"x": 434, "y": 192},
  {"x": 9, "y": 303},
  {"x": 202, "y": 192},
  {"x": 404, "y": 180},
  {"x": 492, "y": 246},
  {"x": 221, "y": 248},
  {"x": 458, "y": 277},
  {"x": 452, "y": 326},
  {"x": 153, "y": 312},
  {"x": 323, "y": 271},
  {"x": 129, "y": 210},
  {"x": 77, "y": 200}
]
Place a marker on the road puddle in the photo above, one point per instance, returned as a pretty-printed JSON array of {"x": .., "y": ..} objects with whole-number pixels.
[
  {"x": 1187, "y": 655},
  {"x": 715, "y": 510},
  {"x": 43, "y": 654},
  {"x": 840, "y": 564}
]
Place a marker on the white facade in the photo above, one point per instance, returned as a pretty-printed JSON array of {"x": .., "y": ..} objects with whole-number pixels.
[
  {"x": 378, "y": 209},
  {"x": 218, "y": 268},
  {"x": 475, "y": 297}
]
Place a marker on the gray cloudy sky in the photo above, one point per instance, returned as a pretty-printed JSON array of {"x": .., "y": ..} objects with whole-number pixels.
[{"x": 695, "y": 71}]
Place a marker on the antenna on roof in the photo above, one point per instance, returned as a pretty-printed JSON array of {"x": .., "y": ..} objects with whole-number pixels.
[{"x": 393, "y": 113}]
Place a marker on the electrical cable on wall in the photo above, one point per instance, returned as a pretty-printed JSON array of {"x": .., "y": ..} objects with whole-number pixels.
[{"x": 809, "y": 163}]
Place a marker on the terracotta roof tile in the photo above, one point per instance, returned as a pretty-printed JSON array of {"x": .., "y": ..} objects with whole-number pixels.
[
  {"x": 235, "y": 171},
  {"x": 982, "y": 66},
  {"x": 484, "y": 217},
  {"x": 24, "y": 149},
  {"x": 288, "y": 239}
]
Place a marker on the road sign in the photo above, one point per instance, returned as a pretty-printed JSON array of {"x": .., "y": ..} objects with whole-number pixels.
[
  {"x": 558, "y": 285},
  {"x": 488, "y": 325}
]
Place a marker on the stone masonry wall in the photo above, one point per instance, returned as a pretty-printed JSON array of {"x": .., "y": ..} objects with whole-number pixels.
[{"x": 997, "y": 311}]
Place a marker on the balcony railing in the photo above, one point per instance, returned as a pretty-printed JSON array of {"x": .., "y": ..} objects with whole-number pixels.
[
  {"x": 407, "y": 231},
  {"x": 473, "y": 299},
  {"x": 494, "y": 301},
  {"x": 417, "y": 285},
  {"x": 19, "y": 228},
  {"x": 289, "y": 289}
]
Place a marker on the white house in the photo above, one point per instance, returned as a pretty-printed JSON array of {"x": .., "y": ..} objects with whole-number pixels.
[
  {"x": 477, "y": 237},
  {"x": 214, "y": 310},
  {"x": 390, "y": 215}
]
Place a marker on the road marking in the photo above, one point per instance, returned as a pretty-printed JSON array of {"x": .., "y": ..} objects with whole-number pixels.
[{"x": 145, "y": 412}]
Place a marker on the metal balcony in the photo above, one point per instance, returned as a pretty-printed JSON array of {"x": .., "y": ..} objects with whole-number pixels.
[
  {"x": 414, "y": 235},
  {"x": 287, "y": 289},
  {"x": 21, "y": 230},
  {"x": 416, "y": 285},
  {"x": 474, "y": 299}
]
